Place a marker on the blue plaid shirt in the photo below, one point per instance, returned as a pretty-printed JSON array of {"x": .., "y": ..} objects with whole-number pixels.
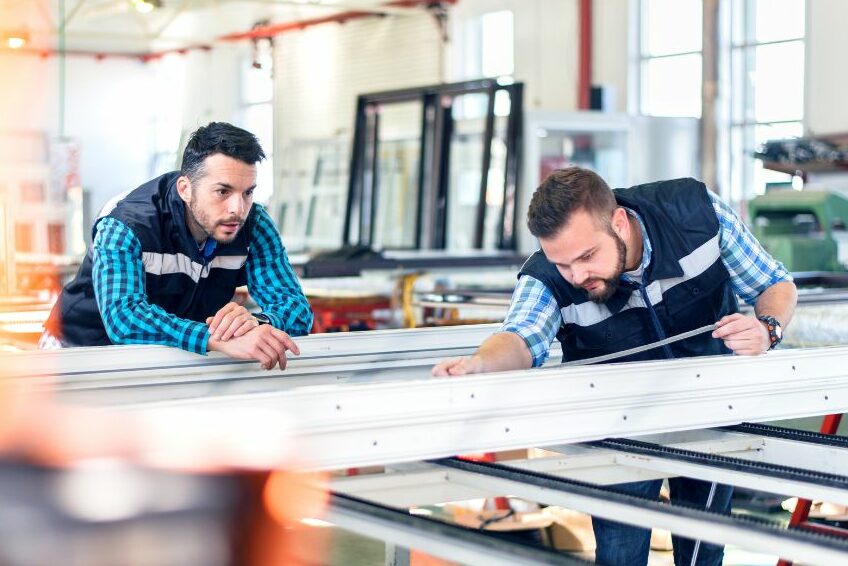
[
  {"x": 118, "y": 275},
  {"x": 535, "y": 316}
]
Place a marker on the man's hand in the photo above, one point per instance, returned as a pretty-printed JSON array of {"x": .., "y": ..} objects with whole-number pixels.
[
  {"x": 232, "y": 321},
  {"x": 745, "y": 335},
  {"x": 458, "y": 366},
  {"x": 502, "y": 351},
  {"x": 265, "y": 344}
]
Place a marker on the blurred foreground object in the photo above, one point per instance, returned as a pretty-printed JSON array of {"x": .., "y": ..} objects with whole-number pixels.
[{"x": 160, "y": 487}]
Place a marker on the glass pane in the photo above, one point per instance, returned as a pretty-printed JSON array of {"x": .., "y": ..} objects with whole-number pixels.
[
  {"x": 466, "y": 158},
  {"x": 763, "y": 133},
  {"x": 671, "y": 26},
  {"x": 602, "y": 152},
  {"x": 497, "y": 44},
  {"x": 310, "y": 204},
  {"x": 748, "y": 177},
  {"x": 741, "y": 162},
  {"x": 671, "y": 86},
  {"x": 397, "y": 175},
  {"x": 778, "y": 83},
  {"x": 742, "y": 94},
  {"x": 496, "y": 184},
  {"x": 777, "y": 20}
]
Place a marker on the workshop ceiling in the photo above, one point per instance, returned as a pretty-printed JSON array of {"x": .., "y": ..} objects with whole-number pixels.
[{"x": 117, "y": 26}]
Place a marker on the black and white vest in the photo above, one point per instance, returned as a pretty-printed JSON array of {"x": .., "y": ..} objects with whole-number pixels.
[
  {"x": 684, "y": 287},
  {"x": 177, "y": 277}
]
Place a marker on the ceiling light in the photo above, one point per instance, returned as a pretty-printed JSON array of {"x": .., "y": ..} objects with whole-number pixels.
[
  {"x": 146, "y": 6},
  {"x": 16, "y": 40}
]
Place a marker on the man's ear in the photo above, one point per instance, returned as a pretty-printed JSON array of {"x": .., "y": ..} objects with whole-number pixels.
[
  {"x": 619, "y": 222},
  {"x": 184, "y": 188}
]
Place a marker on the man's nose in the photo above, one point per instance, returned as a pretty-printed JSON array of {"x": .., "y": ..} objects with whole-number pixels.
[
  {"x": 235, "y": 205},
  {"x": 578, "y": 276}
]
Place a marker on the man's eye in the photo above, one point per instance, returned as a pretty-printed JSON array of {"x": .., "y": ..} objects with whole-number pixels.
[
  {"x": 248, "y": 194},
  {"x": 221, "y": 192}
]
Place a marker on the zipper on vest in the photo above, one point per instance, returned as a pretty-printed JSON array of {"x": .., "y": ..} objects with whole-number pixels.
[
  {"x": 203, "y": 263},
  {"x": 656, "y": 321}
]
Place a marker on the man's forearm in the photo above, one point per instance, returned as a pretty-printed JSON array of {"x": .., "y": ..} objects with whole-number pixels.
[
  {"x": 504, "y": 351},
  {"x": 778, "y": 301}
]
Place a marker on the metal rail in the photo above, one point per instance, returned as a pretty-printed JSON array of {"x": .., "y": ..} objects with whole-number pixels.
[
  {"x": 753, "y": 534},
  {"x": 440, "y": 539}
]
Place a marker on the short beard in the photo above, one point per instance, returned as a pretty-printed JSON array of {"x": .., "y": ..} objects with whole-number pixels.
[
  {"x": 610, "y": 286},
  {"x": 200, "y": 220}
]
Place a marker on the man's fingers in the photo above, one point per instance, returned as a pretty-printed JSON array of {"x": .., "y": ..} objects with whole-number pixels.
[
  {"x": 239, "y": 322},
  {"x": 264, "y": 355},
  {"x": 223, "y": 326},
  {"x": 446, "y": 368},
  {"x": 270, "y": 354},
  {"x": 219, "y": 316},
  {"x": 732, "y": 327},
  {"x": 248, "y": 325},
  {"x": 287, "y": 342}
]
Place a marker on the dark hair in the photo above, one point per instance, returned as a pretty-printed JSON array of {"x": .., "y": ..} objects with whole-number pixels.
[
  {"x": 223, "y": 138},
  {"x": 562, "y": 193}
]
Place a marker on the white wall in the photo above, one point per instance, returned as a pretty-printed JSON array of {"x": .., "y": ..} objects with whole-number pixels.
[
  {"x": 120, "y": 110},
  {"x": 826, "y": 89},
  {"x": 320, "y": 71},
  {"x": 545, "y": 40}
]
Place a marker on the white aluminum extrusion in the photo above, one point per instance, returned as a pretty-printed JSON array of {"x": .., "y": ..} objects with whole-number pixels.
[
  {"x": 379, "y": 344},
  {"x": 357, "y": 425},
  {"x": 421, "y": 484}
]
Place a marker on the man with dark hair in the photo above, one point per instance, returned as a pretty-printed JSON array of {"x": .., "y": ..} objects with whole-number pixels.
[
  {"x": 619, "y": 269},
  {"x": 167, "y": 257}
]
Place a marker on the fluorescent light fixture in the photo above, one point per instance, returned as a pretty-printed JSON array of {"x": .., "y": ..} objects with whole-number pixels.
[
  {"x": 16, "y": 40},
  {"x": 146, "y": 6}
]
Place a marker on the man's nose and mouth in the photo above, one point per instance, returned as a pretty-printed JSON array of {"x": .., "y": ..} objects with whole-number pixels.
[{"x": 231, "y": 225}]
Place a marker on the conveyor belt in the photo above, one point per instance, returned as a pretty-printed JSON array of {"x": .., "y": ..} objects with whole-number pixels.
[
  {"x": 441, "y": 539},
  {"x": 765, "y": 476},
  {"x": 724, "y": 462},
  {"x": 754, "y": 534},
  {"x": 782, "y": 433}
]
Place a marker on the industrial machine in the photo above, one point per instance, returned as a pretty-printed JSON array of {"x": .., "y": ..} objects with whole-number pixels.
[
  {"x": 806, "y": 230},
  {"x": 369, "y": 400}
]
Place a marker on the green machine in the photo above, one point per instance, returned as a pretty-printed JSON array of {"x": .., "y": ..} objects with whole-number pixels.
[{"x": 806, "y": 230}]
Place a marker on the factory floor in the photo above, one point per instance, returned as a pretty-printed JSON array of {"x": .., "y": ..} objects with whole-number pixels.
[{"x": 348, "y": 549}]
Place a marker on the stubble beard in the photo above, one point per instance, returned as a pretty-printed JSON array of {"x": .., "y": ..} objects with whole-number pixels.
[{"x": 610, "y": 286}]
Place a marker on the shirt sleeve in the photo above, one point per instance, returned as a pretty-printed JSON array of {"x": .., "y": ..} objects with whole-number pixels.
[
  {"x": 752, "y": 269},
  {"x": 272, "y": 282},
  {"x": 533, "y": 315},
  {"x": 118, "y": 278}
]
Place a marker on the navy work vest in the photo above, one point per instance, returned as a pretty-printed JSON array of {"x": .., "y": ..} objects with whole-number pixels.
[
  {"x": 176, "y": 275},
  {"x": 684, "y": 287}
]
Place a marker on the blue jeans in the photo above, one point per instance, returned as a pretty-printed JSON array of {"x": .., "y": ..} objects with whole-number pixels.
[{"x": 624, "y": 545}]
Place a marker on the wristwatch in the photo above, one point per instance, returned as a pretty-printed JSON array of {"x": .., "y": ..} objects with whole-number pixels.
[
  {"x": 775, "y": 331},
  {"x": 262, "y": 318}
]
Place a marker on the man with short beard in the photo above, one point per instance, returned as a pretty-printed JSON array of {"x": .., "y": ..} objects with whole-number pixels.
[
  {"x": 168, "y": 256},
  {"x": 624, "y": 268}
]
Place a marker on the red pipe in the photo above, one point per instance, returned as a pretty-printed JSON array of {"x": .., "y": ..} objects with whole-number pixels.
[
  {"x": 265, "y": 32},
  {"x": 584, "y": 73},
  {"x": 256, "y": 33}
]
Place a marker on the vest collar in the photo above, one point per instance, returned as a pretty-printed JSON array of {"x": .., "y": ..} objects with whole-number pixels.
[
  {"x": 176, "y": 209},
  {"x": 663, "y": 265}
]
